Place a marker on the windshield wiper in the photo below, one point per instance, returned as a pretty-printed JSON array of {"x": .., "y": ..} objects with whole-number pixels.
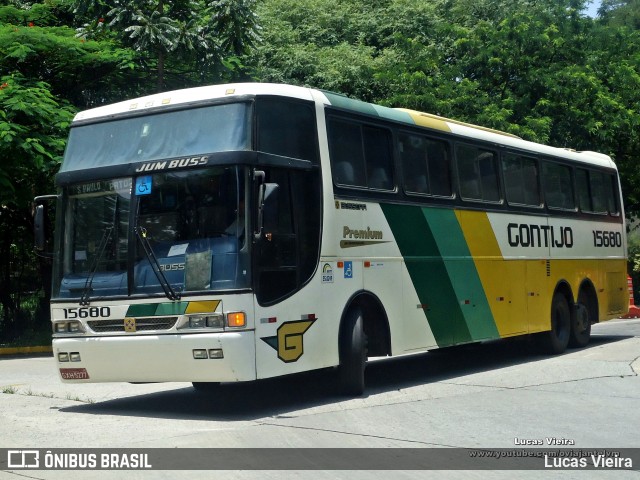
[
  {"x": 106, "y": 237},
  {"x": 171, "y": 294}
]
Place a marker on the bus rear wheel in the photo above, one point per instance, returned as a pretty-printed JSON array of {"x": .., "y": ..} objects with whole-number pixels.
[
  {"x": 581, "y": 321},
  {"x": 556, "y": 340},
  {"x": 353, "y": 354}
]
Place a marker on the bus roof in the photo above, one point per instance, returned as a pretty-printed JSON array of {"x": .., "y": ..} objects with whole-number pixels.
[{"x": 157, "y": 102}]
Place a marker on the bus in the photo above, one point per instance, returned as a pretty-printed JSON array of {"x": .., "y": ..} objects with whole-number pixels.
[{"x": 231, "y": 233}]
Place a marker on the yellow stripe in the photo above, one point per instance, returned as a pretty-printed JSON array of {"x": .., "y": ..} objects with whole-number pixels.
[
  {"x": 203, "y": 307},
  {"x": 501, "y": 280},
  {"x": 517, "y": 311},
  {"x": 426, "y": 120}
]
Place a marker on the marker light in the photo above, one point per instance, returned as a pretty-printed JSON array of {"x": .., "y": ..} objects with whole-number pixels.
[
  {"x": 200, "y": 354},
  {"x": 236, "y": 319},
  {"x": 215, "y": 353}
]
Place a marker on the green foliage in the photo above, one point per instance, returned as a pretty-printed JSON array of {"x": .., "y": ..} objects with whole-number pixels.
[
  {"x": 620, "y": 13},
  {"x": 33, "y": 124},
  {"x": 179, "y": 43},
  {"x": 539, "y": 69}
]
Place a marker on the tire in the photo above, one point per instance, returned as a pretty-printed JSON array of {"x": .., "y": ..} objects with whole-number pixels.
[
  {"x": 555, "y": 341},
  {"x": 207, "y": 388},
  {"x": 353, "y": 354},
  {"x": 581, "y": 321}
]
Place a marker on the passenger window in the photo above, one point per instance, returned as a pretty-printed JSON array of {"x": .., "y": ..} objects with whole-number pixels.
[
  {"x": 611, "y": 192},
  {"x": 521, "y": 180},
  {"x": 426, "y": 166},
  {"x": 361, "y": 155},
  {"x": 478, "y": 174},
  {"x": 558, "y": 187},
  {"x": 596, "y": 191},
  {"x": 582, "y": 186},
  {"x": 347, "y": 157},
  {"x": 286, "y": 128}
]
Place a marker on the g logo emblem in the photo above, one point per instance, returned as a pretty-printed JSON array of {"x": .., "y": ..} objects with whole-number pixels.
[{"x": 289, "y": 341}]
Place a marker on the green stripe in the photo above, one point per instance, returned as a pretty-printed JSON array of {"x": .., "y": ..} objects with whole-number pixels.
[
  {"x": 359, "y": 106},
  {"x": 462, "y": 273},
  {"x": 443, "y": 273},
  {"x": 428, "y": 273}
]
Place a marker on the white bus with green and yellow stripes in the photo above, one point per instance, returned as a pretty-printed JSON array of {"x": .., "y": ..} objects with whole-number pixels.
[{"x": 239, "y": 232}]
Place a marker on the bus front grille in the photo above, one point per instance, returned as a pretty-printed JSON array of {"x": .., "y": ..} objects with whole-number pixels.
[{"x": 141, "y": 324}]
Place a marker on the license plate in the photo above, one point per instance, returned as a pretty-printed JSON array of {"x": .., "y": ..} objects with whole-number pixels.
[{"x": 74, "y": 373}]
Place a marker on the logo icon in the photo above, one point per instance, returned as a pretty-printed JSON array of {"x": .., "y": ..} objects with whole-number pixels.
[
  {"x": 327, "y": 273},
  {"x": 130, "y": 324},
  {"x": 143, "y": 185},
  {"x": 288, "y": 343},
  {"x": 348, "y": 269},
  {"x": 23, "y": 458}
]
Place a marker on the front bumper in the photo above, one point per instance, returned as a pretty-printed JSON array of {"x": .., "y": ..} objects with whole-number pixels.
[{"x": 158, "y": 358}]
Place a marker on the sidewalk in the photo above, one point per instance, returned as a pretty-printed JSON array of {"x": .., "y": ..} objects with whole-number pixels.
[{"x": 24, "y": 350}]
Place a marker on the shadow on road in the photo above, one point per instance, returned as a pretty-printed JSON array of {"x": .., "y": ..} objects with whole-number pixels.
[{"x": 281, "y": 396}]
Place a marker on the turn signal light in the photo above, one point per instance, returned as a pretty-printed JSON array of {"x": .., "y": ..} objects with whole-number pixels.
[{"x": 236, "y": 319}]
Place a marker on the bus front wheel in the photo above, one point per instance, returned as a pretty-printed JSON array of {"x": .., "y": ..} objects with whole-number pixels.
[
  {"x": 353, "y": 353},
  {"x": 556, "y": 340}
]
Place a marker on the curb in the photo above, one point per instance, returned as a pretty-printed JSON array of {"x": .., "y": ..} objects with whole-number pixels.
[{"x": 23, "y": 350}]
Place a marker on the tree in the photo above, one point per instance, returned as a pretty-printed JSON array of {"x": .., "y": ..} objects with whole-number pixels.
[
  {"x": 190, "y": 41},
  {"x": 539, "y": 69},
  {"x": 33, "y": 124},
  {"x": 43, "y": 69}
]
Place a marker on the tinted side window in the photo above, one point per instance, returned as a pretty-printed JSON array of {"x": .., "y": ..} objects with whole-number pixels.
[
  {"x": 584, "y": 193},
  {"x": 361, "y": 155},
  {"x": 426, "y": 165},
  {"x": 612, "y": 194},
  {"x": 521, "y": 180},
  {"x": 596, "y": 191},
  {"x": 286, "y": 128},
  {"x": 347, "y": 157},
  {"x": 597, "y": 182},
  {"x": 478, "y": 173},
  {"x": 558, "y": 187}
]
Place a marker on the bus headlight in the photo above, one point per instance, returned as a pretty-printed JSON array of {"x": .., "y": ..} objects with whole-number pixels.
[
  {"x": 197, "y": 322},
  {"x": 68, "y": 327},
  {"x": 75, "y": 327},
  {"x": 214, "y": 320}
]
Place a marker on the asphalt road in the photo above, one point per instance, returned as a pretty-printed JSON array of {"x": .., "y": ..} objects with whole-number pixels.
[{"x": 478, "y": 396}]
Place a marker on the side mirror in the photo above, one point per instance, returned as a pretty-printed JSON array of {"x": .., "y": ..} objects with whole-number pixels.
[
  {"x": 267, "y": 209},
  {"x": 41, "y": 225},
  {"x": 39, "y": 228}
]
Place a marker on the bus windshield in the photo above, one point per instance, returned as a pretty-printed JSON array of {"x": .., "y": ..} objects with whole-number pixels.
[
  {"x": 217, "y": 128},
  {"x": 128, "y": 236}
]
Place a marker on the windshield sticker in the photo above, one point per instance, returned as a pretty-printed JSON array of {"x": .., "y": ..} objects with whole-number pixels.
[
  {"x": 143, "y": 185},
  {"x": 177, "y": 250}
]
